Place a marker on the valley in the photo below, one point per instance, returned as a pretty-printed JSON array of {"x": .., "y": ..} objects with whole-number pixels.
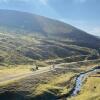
[{"x": 40, "y": 58}]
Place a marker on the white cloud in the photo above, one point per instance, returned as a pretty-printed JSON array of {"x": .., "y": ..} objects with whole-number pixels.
[
  {"x": 95, "y": 30},
  {"x": 14, "y": 0},
  {"x": 44, "y": 2},
  {"x": 3, "y": 1}
]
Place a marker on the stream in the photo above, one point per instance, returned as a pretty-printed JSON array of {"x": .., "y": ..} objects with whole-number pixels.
[
  {"x": 79, "y": 82},
  {"x": 81, "y": 78}
]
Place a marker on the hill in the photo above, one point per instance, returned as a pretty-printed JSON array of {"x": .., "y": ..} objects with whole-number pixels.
[{"x": 25, "y": 37}]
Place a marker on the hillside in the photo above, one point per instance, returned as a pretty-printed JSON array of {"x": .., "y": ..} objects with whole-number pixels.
[{"x": 25, "y": 37}]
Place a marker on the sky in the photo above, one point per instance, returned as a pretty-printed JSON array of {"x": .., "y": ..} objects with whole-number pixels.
[{"x": 83, "y": 14}]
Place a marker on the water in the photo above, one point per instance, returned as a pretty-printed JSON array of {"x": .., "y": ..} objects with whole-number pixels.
[
  {"x": 78, "y": 86},
  {"x": 80, "y": 79}
]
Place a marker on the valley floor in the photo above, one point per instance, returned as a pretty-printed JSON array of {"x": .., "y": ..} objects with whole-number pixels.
[{"x": 51, "y": 83}]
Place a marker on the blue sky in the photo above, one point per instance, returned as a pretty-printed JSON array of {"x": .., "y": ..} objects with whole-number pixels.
[{"x": 84, "y": 14}]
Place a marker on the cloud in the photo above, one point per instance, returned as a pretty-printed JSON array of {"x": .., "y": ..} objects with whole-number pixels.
[
  {"x": 3, "y": 1},
  {"x": 44, "y": 2},
  {"x": 95, "y": 30},
  {"x": 7, "y": 1}
]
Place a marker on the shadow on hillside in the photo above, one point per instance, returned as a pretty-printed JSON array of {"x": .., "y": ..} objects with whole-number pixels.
[
  {"x": 45, "y": 96},
  {"x": 20, "y": 95}
]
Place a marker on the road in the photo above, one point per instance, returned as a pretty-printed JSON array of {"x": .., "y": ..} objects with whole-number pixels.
[
  {"x": 40, "y": 71},
  {"x": 21, "y": 76},
  {"x": 10, "y": 78}
]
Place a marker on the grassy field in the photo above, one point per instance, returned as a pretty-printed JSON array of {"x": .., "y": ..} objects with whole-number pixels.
[
  {"x": 52, "y": 84},
  {"x": 20, "y": 69},
  {"x": 56, "y": 84},
  {"x": 8, "y": 72}
]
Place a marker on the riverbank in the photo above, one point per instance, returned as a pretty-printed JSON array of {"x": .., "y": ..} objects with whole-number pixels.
[
  {"x": 79, "y": 80},
  {"x": 90, "y": 89}
]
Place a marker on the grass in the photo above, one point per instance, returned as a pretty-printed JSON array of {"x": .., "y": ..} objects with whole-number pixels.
[
  {"x": 24, "y": 49},
  {"x": 6, "y": 72},
  {"x": 11, "y": 70},
  {"x": 52, "y": 83},
  {"x": 55, "y": 84},
  {"x": 41, "y": 64},
  {"x": 90, "y": 90}
]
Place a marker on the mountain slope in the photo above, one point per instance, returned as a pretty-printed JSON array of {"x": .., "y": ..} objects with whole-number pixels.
[
  {"x": 21, "y": 22},
  {"x": 25, "y": 37}
]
